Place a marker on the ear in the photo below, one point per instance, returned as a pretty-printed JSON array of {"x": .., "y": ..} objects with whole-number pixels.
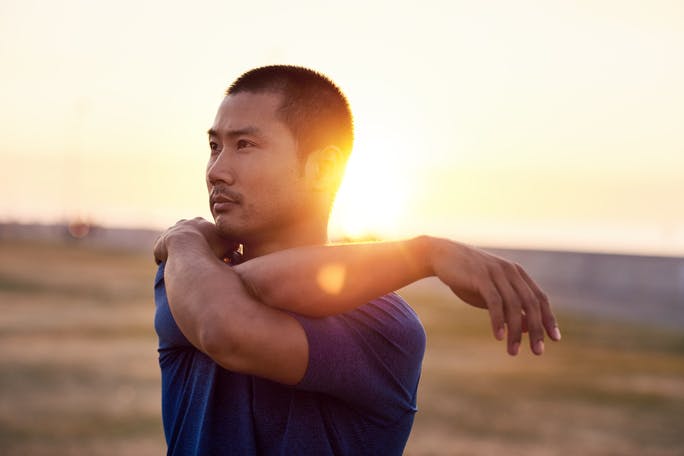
[{"x": 324, "y": 168}]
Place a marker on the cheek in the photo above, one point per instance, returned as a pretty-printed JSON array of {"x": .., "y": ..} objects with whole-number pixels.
[
  {"x": 206, "y": 174},
  {"x": 275, "y": 179},
  {"x": 276, "y": 193}
]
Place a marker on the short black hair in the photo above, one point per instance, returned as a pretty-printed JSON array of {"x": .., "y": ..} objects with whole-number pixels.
[{"x": 313, "y": 107}]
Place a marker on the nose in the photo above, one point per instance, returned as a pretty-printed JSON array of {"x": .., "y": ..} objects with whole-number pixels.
[{"x": 219, "y": 170}]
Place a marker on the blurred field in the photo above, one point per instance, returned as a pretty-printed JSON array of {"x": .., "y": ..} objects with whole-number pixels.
[{"x": 79, "y": 375}]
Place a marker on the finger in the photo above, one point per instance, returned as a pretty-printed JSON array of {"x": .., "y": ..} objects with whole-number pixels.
[
  {"x": 159, "y": 249},
  {"x": 530, "y": 305},
  {"x": 523, "y": 323},
  {"x": 494, "y": 304},
  {"x": 548, "y": 318},
  {"x": 512, "y": 309}
]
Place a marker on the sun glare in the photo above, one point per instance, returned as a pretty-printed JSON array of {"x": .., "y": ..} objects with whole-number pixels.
[{"x": 371, "y": 201}]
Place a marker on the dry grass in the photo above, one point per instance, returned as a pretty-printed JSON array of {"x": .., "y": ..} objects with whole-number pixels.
[
  {"x": 78, "y": 367},
  {"x": 79, "y": 375},
  {"x": 606, "y": 389}
]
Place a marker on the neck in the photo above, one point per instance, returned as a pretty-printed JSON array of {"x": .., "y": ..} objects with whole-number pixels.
[{"x": 299, "y": 235}]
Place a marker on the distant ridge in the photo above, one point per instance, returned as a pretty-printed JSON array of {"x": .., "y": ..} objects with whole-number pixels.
[
  {"x": 647, "y": 289},
  {"x": 136, "y": 239}
]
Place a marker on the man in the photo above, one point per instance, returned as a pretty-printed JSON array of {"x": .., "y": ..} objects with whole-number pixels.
[{"x": 301, "y": 347}]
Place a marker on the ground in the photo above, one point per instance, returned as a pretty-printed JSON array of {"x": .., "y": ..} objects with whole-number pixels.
[{"x": 79, "y": 373}]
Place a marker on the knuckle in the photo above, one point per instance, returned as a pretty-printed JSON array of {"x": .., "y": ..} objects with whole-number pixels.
[
  {"x": 550, "y": 320},
  {"x": 508, "y": 267},
  {"x": 514, "y": 322},
  {"x": 531, "y": 298},
  {"x": 543, "y": 297},
  {"x": 497, "y": 318},
  {"x": 534, "y": 325},
  {"x": 515, "y": 305},
  {"x": 495, "y": 266},
  {"x": 531, "y": 307},
  {"x": 520, "y": 270},
  {"x": 494, "y": 299},
  {"x": 503, "y": 266}
]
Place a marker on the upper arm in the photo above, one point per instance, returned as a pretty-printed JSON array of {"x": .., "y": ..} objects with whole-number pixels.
[
  {"x": 218, "y": 315},
  {"x": 262, "y": 341}
]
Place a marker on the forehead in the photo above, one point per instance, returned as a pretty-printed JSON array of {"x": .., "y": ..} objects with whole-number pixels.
[{"x": 248, "y": 110}]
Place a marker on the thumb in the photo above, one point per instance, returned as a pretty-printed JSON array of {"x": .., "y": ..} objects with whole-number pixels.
[{"x": 160, "y": 252}]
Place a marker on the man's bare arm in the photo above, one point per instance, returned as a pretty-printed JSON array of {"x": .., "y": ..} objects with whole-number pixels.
[
  {"x": 219, "y": 317},
  {"x": 324, "y": 280},
  {"x": 318, "y": 281}
]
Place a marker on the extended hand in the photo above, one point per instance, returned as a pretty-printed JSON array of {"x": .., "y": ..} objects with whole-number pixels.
[
  {"x": 484, "y": 280},
  {"x": 192, "y": 229}
]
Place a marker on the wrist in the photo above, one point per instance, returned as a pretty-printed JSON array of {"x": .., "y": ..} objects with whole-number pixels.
[
  {"x": 180, "y": 240},
  {"x": 422, "y": 248}
]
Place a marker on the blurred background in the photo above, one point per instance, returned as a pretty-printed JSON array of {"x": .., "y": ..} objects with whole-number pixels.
[{"x": 547, "y": 132}]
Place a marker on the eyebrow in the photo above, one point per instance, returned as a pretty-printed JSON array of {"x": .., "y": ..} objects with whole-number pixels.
[{"x": 252, "y": 131}]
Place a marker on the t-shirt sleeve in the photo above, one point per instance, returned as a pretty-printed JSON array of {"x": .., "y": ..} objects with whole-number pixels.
[{"x": 369, "y": 357}]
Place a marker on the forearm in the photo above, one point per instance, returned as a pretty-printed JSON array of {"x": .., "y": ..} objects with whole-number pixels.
[
  {"x": 215, "y": 312},
  {"x": 197, "y": 284},
  {"x": 326, "y": 280},
  {"x": 233, "y": 310}
]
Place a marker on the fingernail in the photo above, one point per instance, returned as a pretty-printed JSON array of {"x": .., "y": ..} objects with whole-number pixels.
[
  {"x": 539, "y": 347},
  {"x": 499, "y": 333},
  {"x": 515, "y": 348},
  {"x": 556, "y": 333}
]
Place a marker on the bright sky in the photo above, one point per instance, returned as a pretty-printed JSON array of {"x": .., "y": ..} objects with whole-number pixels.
[{"x": 550, "y": 124}]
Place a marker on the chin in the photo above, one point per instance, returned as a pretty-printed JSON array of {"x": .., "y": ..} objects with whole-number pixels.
[{"x": 227, "y": 230}]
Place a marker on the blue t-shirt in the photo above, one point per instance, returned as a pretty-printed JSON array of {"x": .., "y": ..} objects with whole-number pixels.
[{"x": 358, "y": 395}]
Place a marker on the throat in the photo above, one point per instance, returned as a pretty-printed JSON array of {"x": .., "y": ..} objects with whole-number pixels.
[{"x": 299, "y": 237}]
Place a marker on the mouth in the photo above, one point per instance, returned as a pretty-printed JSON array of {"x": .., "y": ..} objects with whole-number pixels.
[
  {"x": 220, "y": 202},
  {"x": 222, "y": 206}
]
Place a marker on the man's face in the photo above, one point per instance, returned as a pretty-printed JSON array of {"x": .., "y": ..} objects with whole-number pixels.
[{"x": 254, "y": 178}]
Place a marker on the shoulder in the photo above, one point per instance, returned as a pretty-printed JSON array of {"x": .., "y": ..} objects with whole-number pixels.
[
  {"x": 386, "y": 324},
  {"x": 403, "y": 324},
  {"x": 369, "y": 357},
  {"x": 392, "y": 316}
]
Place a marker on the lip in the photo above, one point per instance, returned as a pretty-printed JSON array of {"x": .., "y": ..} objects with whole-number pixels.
[
  {"x": 222, "y": 205},
  {"x": 222, "y": 199}
]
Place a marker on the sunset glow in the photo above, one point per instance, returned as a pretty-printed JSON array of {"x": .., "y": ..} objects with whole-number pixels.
[
  {"x": 373, "y": 198},
  {"x": 500, "y": 116}
]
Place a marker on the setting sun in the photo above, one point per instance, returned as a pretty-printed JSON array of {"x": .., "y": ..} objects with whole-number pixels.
[
  {"x": 497, "y": 124},
  {"x": 372, "y": 200}
]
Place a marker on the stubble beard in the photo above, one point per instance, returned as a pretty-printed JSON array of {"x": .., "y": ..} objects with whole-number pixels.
[{"x": 227, "y": 230}]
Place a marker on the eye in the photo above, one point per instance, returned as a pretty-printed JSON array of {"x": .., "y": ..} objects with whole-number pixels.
[
  {"x": 242, "y": 144},
  {"x": 214, "y": 147}
]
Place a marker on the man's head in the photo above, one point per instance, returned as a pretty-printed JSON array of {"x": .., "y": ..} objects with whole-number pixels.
[
  {"x": 312, "y": 106},
  {"x": 279, "y": 144}
]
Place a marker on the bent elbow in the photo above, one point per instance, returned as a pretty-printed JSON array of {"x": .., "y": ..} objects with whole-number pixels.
[
  {"x": 217, "y": 342},
  {"x": 244, "y": 272}
]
